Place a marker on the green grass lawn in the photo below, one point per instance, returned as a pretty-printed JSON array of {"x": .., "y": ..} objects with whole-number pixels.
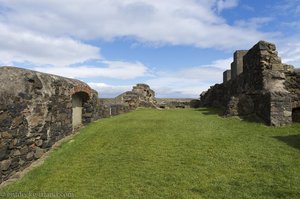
[{"x": 182, "y": 153}]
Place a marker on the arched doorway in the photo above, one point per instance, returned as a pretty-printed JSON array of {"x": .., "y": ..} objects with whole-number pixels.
[
  {"x": 77, "y": 105},
  {"x": 296, "y": 114}
]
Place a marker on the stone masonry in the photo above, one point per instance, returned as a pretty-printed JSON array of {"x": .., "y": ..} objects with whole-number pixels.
[
  {"x": 260, "y": 86},
  {"x": 35, "y": 112},
  {"x": 176, "y": 103}
]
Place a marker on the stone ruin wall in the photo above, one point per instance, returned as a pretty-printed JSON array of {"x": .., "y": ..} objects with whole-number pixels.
[
  {"x": 258, "y": 85},
  {"x": 177, "y": 103},
  {"x": 36, "y": 112},
  {"x": 292, "y": 84},
  {"x": 143, "y": 96},
  {"x": 140, "y": 96}
]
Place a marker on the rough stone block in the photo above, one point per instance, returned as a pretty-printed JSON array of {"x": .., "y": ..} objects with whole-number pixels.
[
  {"x": 3, "y": 151},
  {"x": 237, "y": 65},
  {"x": 226, "y": 76},
  {"x": 38, "y": 153},
  {"x": 5, "y": 164},
  {"x": 29, "y": 156}
]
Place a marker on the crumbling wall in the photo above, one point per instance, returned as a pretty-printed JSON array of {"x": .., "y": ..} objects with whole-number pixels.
[
  {"x": 260, "y": 90},
  {"x": 36, "y": 112},
  {"x": 140, "y": 96},
  {"x": 292, "y": 84}
]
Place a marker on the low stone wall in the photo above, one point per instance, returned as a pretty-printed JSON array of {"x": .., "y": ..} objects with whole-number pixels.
[
  {"x": 110, "y": 107},
  {"x": 174, "y": 102},
  {"x": 265, "y": 88},
  {"x": 36, "y": 112}
]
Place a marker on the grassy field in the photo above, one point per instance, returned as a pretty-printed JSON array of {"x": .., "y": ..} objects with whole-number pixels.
[{"x": 182, "y": 153}]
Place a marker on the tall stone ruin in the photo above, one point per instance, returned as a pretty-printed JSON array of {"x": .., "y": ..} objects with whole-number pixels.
[{"x": 260, "y": 85}]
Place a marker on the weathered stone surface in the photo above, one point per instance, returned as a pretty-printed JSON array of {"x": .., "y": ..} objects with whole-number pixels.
[
  {"x": 5, "y": 164},
  {"x": 17, "y": 153},
  {"x": 29, "y": 156},
  {"x": 3, "y": 150},
  {"x": 38, "y": 153},
  {"x": 24, "y": 150},
  {"x": 237, "y": 65},
  {"x": 39, "y": 142},
  {"x": 226, "y": 75},
  {"x": 6, "y": 135}
]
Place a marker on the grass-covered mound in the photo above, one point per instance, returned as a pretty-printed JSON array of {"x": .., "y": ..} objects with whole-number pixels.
[{"x": 182, "y": 153}]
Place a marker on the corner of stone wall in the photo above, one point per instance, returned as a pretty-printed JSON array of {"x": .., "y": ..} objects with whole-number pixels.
[{"x": 280, "y": 108}]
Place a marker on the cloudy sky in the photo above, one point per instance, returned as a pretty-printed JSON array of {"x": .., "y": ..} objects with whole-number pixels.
[{"x": 178, "y": 47}]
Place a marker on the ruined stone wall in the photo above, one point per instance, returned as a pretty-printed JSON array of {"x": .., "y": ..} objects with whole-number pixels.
[
  {"x": 292, "y": 84},
  {"x": 140, "y": 96},
  {"x": 174, "y": 102},
  {"x": 36, "y": 112},
  {"x": 237, "y": 64},
  {"x": 260, "y": 90},
  {"x": 110, "y": 107}
]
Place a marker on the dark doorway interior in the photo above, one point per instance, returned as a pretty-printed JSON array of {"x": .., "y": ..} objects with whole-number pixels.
[{"x": 296, "y": 115}]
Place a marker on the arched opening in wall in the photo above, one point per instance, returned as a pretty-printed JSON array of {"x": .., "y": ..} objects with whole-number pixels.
[
  {"x": 296, "y": 115},
  {"x": 77, "y": 105}
]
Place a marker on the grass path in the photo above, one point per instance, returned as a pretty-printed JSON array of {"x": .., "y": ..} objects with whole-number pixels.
[{"x": 182, "y": 153}]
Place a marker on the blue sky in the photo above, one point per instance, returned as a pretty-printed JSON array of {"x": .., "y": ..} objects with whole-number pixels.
[{"x": 179, "y": 47}]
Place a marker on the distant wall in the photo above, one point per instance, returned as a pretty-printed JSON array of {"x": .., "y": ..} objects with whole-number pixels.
[
  {"x": 110, "y": 107},
  {"x": 177, "y": 103},
  {"x": 35, "y": 112}
]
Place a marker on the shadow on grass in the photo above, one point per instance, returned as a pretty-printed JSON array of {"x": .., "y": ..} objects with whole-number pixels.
[
  {"x": 252, "y": 119},
  {"x": 211, "y": 111},
  {"x": 291, "y": 140},
  {"x": 220, "y": 112}
]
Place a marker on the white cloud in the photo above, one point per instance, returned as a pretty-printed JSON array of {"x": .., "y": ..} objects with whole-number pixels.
[
  {"x": 113, "y": 69},
  {"x": 189, "y": 82},
  {"x": 52, "y": 33},
  {"x": 187, "y": 22},
  {"x": 109, "y": 91},
  {"x": 290, "y": 52},
  {"x": 254, "y": 23},
  {"x": 55, "y": 55},
  {"x": 287, "y": 7},
  {"x": 225, "y": 4},
  {"x": 18, "y": 45},
  {"x": 177, "y": 86}
]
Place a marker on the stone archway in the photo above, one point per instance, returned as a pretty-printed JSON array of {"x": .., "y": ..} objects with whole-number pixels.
[
  {"x": 296, "y": 115},
  {"x": 77, "y": 105}
]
